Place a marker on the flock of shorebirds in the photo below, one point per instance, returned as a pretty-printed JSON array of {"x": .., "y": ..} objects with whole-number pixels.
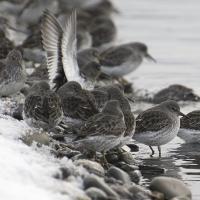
[{"x": 79, "y": 55}]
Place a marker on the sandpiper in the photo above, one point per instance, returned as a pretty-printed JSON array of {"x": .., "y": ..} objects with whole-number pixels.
[
  {"x": 106, "y": 93},
  {"x": 77, "y": 103},
  {"x": 158, "y": 125},
  {"x": 42, "y": 107},
  {"x": 177, "y": 93},
  {"x": 12, "y": 73},
  {"x": 190, "y": 127},
  {"x": 104, "y": 130},
  {"x": 120, "y": 60}
]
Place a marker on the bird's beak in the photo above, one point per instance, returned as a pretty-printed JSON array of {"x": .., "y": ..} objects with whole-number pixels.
[
  {"x": 181, "y": 114},
  {"x": 149, "y": 57}
]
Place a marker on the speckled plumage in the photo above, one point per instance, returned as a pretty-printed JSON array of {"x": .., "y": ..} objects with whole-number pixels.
[
  {"x": 114, "y": 93},
  {"x": 158, "y": 125},
  {"x": 104, "y": 130},
  {"x": 12, "y": 73},
  {"x": 77, "y": 103},
  {"x": 42, "y": 107}
]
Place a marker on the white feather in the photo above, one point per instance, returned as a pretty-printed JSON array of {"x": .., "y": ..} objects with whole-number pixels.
[
  {"x": 69, "y": 51},
  {"x": 51, "y": 34}
]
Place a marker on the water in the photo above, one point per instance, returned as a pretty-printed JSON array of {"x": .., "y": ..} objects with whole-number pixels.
[{"x": 171, "y": 29}]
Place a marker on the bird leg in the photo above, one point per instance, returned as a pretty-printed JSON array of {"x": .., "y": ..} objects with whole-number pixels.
[
  {"x": 151, "y": 151},
  {"x": 104, "y": 160},
  {"x": 159, "y": 150}
]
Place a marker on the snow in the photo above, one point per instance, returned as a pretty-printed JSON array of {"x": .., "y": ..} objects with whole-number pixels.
[{"x": 27, "y": 172}]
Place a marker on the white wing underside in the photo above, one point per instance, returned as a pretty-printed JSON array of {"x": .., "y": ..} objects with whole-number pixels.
[
  {"x": 51, "y": 34},
  {"x": 69, "y": 50},
  {"x": 60, "y": 46}
]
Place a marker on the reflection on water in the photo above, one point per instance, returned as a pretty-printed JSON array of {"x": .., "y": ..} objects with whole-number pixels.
[
  {"x": 171, "y": 29},
  {"x": 179, "y": 160}
]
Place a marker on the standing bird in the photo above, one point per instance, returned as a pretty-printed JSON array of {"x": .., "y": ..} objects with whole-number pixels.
[
  {"x": 118, "y": 61},
  {"x": 77, "y": 103},
  {"x": 104, "y": 130},
  {"x": 42, "y": 107},
  {"x": 12, "y": 73},
  {"x": 106, "y": 93},
  {"x": 158, "y": 125},
  {"x": 190, "y": 127}
]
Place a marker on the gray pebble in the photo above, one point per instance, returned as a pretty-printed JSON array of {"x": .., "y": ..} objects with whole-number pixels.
[
  {"x": 94, "y": 181},
  {"x": 126, "y": 167},
  {"x": 96, "y": 194},
  {"x": 91, "y": 166},
  {"x": 127, "y": 157},
  {"x": 170, "y": 187},
  {"x": 119, "y": 174},
  {"x": 122, "y": 191},
  {"x": 39, "y": 138},
  {"x": 135, "y": 176}
]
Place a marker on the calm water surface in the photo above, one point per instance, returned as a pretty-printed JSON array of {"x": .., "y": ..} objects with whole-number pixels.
[{"x": 171, "y": 29}]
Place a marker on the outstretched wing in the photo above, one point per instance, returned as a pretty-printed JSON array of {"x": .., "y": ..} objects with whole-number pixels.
[
  {"x": 52, "y": 34},
  {"x": 151, "y": 121},
  {"x": 69, "y": 51}
]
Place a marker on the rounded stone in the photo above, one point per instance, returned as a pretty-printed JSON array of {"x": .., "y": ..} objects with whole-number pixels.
[
  {"x": 96, "y": 194},
  {"x": 135, "y": 176},
  {"x": 39, "y": 138},
  {"x": 91, "y": 166},
  {"x": 95, "y": 181},
  {"x": 170, "y": 187},
  {"x": 119, "y": 174},
  {"x": 127, "y": 157}
]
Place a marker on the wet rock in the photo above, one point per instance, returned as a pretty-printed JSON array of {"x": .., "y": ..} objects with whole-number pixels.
[
  {"x": 135, "y": 176},
  {"x": 39, "y": 138},
  {"x": 122, "y": 191},
  {"x": 119, "y": 174},
  {"x": 112, "y": 157},
  {"x": 66, "y": 152},
  {"x": 126, "y": 167},
  {"x": 94, "y": 181},
  {"x": 140, "y": 193},
  {"x": 91, "y": 166},
  {"x": 64, "y": 173},
  {"x": 127, "y": 157},
  {"x": 17, "y": 113},
  {"x": 96, "y": 194},
  {"x": 133, "y": 147},
  {"x": 170, "y": 187},
  {"x": 151, "y": 170}
]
